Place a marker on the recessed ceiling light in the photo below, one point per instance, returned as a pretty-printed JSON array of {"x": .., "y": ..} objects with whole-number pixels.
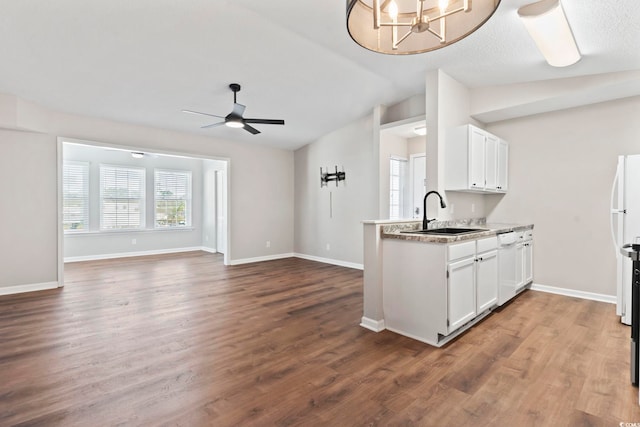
[{"x": 137, "y": 154}]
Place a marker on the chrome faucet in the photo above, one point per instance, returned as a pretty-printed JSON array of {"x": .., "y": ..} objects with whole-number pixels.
[{"x": 425, "y": 221}]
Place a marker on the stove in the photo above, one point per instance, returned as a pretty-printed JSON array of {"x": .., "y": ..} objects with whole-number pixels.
[{"x": 633, "y": 251}]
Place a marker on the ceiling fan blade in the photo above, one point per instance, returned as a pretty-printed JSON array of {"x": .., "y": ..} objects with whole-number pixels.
[
  {"x": 251, "y": 129},
  {"x": 212, "y": 125},
  {"x": 265, "y": 121},
  {"x": 238, "y": 109},
  {"x": 202, "y": 114}
]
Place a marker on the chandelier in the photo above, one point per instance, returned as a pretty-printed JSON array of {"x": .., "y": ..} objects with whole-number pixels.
[{"x": 400, "y": 27}]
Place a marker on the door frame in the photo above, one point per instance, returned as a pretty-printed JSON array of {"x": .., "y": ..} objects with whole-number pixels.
[{"x": 60, "y": 163}]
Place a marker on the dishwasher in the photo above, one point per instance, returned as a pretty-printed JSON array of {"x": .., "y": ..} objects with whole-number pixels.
[{"x": 508, "y": 276}]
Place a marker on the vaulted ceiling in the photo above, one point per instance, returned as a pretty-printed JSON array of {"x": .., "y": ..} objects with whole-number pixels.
[{"x": 144, "y": 61}]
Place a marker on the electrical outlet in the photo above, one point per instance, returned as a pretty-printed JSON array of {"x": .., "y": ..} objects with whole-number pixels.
[
  {"x": 328, "y": 247},
  {"x": 133, "y": 241},
  {"x": 451, "y": 208},
  {"x": 268, "y": 243},
  {"x": 473, "y": 207}
]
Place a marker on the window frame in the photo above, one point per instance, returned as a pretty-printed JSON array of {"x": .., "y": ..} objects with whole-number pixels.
[
  {"x": 142, "y": 198},
  {"x": 402, "y": 178},
  {"x": 188, "y": 200},
  {"x": 86, "y": 175}
]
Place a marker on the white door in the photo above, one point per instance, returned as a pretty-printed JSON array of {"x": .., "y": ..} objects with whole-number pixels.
[
  {"x": 528, "y": 262},
  {"x": 461, "y": 293},
  {"x": 519, "y": 265},
  {"x": 221, "y": 211},
  {"x": 503, "y": 167},
  {"x": 476, "y": 158},
  {"x": 491, "y": 162},
  {"x": 486, "y": 280},
  {"x": 418, "y": 183}
]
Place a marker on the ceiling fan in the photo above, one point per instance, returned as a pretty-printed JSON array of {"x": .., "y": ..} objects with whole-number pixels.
[{"x": 234, "y": 119}]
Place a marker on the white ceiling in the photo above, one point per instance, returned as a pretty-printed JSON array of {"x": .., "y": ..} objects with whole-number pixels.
[{"x": 143, "y": 61}]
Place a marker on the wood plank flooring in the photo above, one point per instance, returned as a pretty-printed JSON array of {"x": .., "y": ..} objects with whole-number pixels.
[{"x": 183, "y": 340}]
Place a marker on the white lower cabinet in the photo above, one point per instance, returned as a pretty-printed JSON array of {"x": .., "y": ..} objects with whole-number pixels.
[
  {"x": 486, "y": 280},
  {"x": 472, "y": 282},
  {"x": 433, "y": 292},
  {"x": 461, "y": 293},
  {"x": 527, "y": 258},
  {"x": 519, "y": 265}
]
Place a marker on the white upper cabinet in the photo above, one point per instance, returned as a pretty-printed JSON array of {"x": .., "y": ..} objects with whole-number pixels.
[
  {"x": 502, "y": 167},
  {"x": 491, "y": 162},
  {"x": 476, "y": 161}
]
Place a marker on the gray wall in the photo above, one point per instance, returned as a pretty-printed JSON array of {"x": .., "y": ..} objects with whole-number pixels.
[
  {"x": 561, "y": 170},
  {"x": 97, "y": 243},
  {"x": 353, "y": 200},
  {"x": 29, "y": 214}
]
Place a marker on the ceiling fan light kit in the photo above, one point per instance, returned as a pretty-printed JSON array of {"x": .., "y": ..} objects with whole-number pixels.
[
  {"x": 235, "y": 118},
  {"x": 403, "y": 27},
  {"x": 547, "y": 24}
]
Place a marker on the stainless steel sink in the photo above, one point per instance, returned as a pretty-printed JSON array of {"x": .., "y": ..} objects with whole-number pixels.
[{"x": 446, "y": 231}]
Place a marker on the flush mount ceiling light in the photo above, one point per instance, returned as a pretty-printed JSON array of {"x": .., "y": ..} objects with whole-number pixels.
[
  {"x": 420, "y": 130},
  {"x": 137, "y": 154},
  {"x": 547, "y": 24},
  {"x": 401, "y": 27}
]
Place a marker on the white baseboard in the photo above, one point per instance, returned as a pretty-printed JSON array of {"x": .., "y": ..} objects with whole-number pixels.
[
  {"x": 18, "y": 289},
  {"x": 611, "y": 299},
  {"x": 210, "y": 250},
  {"x": 259, "y": 259},
  {"x": 330, "y": 261},
  {"x": 372, "y": 325},
  {"x": 131, "y": 254}
]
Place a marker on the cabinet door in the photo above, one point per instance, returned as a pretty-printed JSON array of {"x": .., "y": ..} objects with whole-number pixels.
[
  {"x": 461, "y": 293},
  {"x": 502, "y": 166},
  {"x": 528, "y": 262},
  {"x": 491, "y": 162},
  {"x": 476, "y": 158},
  {"x": 519, "y": 265},
  {"x": 486, "y": 280}
]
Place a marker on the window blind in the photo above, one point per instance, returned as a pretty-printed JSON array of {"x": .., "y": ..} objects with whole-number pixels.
[
  {"x": 172, "y": 198},
  {"x": 397, "y": 175},
  {"x": 75, "y": 196},
  {"x": 122, "y": 197}
]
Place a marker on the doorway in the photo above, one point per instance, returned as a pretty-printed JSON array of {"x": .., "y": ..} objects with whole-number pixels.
[
  {"x": 154, "y": 215},
  {"x": 402, "y": 188}
]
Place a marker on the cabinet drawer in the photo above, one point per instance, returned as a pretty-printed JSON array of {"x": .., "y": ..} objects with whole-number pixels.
[
  {"x": 519, "y": 236},
  {"x": 462, "y": 250},
  {"x": 487, "y": 244},
  {"x": 528, "y": 235}
]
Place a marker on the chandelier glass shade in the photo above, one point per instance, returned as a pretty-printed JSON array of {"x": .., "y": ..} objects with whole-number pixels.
[{"x": 402, "y": 27}]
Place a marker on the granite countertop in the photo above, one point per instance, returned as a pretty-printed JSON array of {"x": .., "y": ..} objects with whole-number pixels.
[{"x": 399, "y": 230}]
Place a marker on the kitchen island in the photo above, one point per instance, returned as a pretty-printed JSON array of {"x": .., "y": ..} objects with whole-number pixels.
[{"x": 434, "y": 287}]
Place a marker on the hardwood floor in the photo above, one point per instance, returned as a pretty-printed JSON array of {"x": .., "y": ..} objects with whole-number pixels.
[{"x": 183, "y": 340}]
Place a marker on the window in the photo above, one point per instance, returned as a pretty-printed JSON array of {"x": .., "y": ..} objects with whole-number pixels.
[
  {"x": 75, "y": 196},
  {"x": 121, "y": 198},
  {"x": 397, "y": 174},
  {"x": 172, "y": 198}
]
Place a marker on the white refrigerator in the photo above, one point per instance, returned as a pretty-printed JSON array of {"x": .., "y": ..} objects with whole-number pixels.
[{"x": 625, "y": 227}]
